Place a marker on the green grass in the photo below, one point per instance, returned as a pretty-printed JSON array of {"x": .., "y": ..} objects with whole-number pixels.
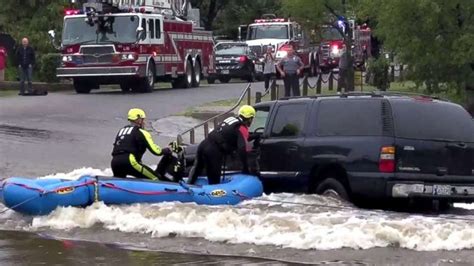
[
  {"x": 8, "y": 93},
  {"x": 405, "y": 86}
]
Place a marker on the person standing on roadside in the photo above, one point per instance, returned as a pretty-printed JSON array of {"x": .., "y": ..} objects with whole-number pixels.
[
  {"x": 343, "y": 71},
  {"x": 3, "y": 62},
  {"x": 26, "y": 60},
  {"x": 290, "y": 68},
  {"x": 268, "y": 66}
]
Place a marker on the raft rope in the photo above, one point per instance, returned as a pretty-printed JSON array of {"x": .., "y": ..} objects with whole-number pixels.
[
  {"x": 242, "y": 196},
  {"x": 166, "y": 191},
  {"x": 19, "y": 204},
  {"x": 41, "y": 192}
]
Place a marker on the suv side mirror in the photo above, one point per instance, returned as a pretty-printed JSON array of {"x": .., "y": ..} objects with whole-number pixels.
[
  {"x": 52, "y": 39},
  {"x": 140, "y": 33},
  {"x": 52, "y": 35}
]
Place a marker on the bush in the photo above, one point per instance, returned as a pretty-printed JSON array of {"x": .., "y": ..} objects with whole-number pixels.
[
  {"x": 11, "y": 72},
  {"x": 378, "y": 69},
  {"x": 46, "y": 65}
]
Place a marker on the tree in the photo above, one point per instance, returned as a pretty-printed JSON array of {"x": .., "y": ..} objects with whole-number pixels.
[
  {"x": 33, "y": 19},
  {"x": 243, "y": 12},
  {"x": 433, "y": 37},
  {"x": 224, "y": 16},
  {"x": 210, "y": 9}
]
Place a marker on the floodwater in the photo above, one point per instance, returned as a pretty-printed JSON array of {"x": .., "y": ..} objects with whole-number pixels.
[
  {"x": 38, "y": 137},
  {"x": 21, "y": 248},
  {"x": 278, "y": 228}
]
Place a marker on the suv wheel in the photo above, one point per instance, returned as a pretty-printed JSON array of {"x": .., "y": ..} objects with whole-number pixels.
[{"x": 333, "y": 188}]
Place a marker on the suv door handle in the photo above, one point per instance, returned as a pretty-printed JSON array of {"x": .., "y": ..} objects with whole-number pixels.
[
  {"x": 460, "y": 145},
  {"x": 293, "y": 148}
]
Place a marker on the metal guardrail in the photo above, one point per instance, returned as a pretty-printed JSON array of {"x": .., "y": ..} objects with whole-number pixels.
[{"x": 205, "y": 124}]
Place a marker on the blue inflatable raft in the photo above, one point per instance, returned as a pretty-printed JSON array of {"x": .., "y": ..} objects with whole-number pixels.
[{"x": 42, "y": 196}]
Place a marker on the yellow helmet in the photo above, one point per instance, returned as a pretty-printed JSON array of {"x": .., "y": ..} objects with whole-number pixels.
[
  {"x": 135, "y": 113},
  {"x": 247, "y": 111}
]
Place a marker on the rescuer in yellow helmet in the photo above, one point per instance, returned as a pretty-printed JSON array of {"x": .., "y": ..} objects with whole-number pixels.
[
  {"x": 231, "y": 135},
  {"x": 130, "y": 144}
]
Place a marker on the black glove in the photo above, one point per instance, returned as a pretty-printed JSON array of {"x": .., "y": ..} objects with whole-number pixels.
[
  {"x": 175, "y": 147},
  {"x": 254, "y": 136},
  {"x": 166, "y": 151}
]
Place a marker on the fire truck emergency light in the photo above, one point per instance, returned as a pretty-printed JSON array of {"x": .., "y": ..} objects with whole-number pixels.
[
  {"x": 69, "y": 12},
  {"x": 270, "y": 20}
]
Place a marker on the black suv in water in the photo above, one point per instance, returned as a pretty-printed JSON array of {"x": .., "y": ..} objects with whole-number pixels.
[{"x": 366, "y": 146}]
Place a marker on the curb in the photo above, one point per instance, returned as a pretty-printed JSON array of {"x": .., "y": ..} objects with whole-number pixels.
[
  {"x": 205, "y": 115},
  {"x": 40, "y": 86}
]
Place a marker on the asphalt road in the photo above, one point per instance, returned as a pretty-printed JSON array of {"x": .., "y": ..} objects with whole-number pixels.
[{"x": 65, "y": 131}]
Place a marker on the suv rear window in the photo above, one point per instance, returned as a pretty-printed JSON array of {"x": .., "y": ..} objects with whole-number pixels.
[
  {"x": 349, "y": 117},
  {"x": 431, "y": 120}
]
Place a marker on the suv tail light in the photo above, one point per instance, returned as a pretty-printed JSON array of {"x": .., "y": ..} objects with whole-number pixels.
[
  {"x": 387, "y": 159},
  {"x": 243, "y": 59}
]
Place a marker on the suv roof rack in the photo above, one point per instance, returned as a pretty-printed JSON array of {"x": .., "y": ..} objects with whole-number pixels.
[
  {"x": 372, "y": 94},
  {"x": 404, "y": 93},
  {"x": 342, "y": 95}
]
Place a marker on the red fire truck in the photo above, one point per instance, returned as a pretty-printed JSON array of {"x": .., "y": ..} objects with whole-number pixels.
[
  {"x": 332, "y": 46},
  {"x": 279, "y": 33},
  {"x": 134, "y": 43}
]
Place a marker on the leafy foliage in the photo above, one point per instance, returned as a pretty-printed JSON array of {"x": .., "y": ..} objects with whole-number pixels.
[{"x": 433, "y": 37}]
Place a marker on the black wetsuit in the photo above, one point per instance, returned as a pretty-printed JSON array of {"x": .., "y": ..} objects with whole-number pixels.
[
  {"x": 130, "y": 144},
  {"x": 230, "y": 136}
]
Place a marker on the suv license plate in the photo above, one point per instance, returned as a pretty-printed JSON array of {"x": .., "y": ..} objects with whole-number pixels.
[
  {"x": 224, "y": 71},
  {"x": 258, "y": 68},
  {"x": 443, "y": 190}
]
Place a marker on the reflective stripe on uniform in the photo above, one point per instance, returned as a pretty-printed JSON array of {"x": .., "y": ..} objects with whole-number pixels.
[
  {"x": 139, "y": 167},
  {"x": 155, "y": 149}
]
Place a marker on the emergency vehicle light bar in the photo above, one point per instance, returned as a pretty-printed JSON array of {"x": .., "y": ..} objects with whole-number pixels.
[
  {"x": 69, "y": 11},
  {"x": 270, "y": 20}
]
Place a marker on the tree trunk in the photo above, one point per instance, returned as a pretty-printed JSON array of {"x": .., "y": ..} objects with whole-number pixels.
[
  {"x": 211, "y": 15},
  {"x": 470, "y": 99}
]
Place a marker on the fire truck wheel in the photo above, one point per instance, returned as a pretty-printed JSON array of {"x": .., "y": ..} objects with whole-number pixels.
[
  {"x": 82, "y": 86},
  {"x": 185, "y": 81},
  {"x": 147, "y": 83},
  {"x": 224, "y": 79},
  {"x": 315, "y": 70},
  {"x": 197, "y": 75},
  {"x": 211, "y": 80},
  {"x": 251, "y": 76},
  {"x": 125, "y": 87},
  {"x": 188, "y": 76},
  {"x": 312, "y": 69}
]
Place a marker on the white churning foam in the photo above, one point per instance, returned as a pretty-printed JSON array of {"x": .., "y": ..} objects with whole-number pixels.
[{"x": 262, "y": 222}]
